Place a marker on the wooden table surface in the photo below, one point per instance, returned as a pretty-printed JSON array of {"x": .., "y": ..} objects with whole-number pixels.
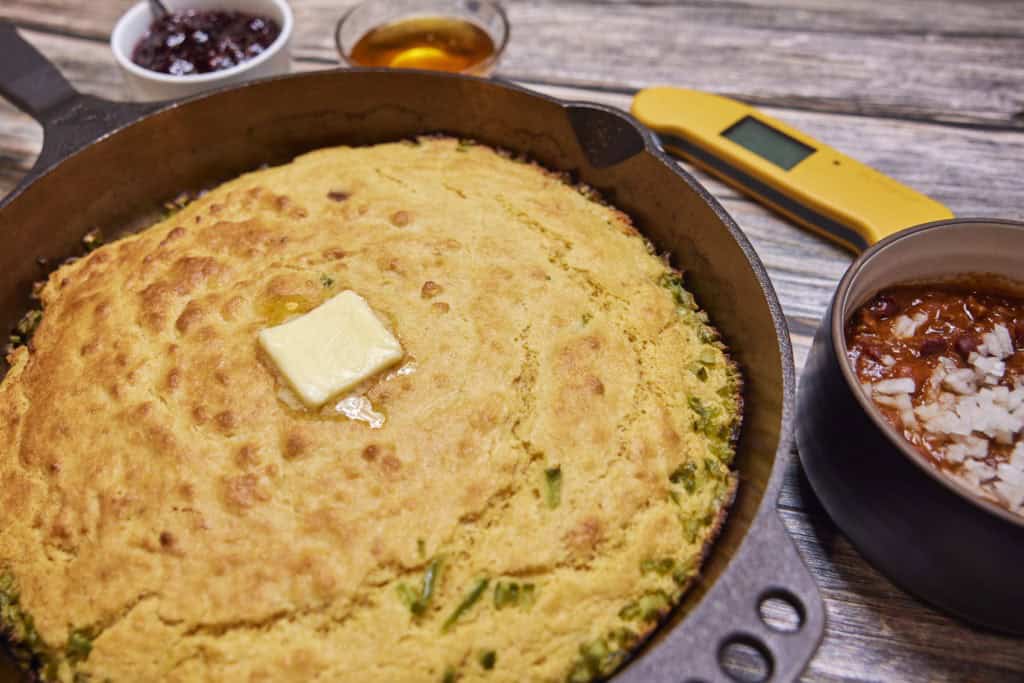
[{"x": 929, "y": 92}]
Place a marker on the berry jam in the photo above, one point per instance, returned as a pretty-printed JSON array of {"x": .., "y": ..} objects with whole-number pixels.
[{"x": 201, "y": 41}]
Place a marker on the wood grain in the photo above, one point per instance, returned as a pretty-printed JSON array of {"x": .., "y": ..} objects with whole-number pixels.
[
  {"x": 920, "y": 17},
  {"x": 876, "y": 632},
  {"x": 930, "y": 92},
  {"x": 910, "y": 60}
]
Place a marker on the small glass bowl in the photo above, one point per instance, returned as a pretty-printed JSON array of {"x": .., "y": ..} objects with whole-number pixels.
[{"x": 371, "y": 14}]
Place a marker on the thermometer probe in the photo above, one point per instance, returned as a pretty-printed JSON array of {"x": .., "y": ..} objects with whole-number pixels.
[{"x": 805, "y": 180}]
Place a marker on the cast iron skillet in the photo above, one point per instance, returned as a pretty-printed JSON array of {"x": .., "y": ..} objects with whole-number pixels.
[{"x": 113, "y": 164}]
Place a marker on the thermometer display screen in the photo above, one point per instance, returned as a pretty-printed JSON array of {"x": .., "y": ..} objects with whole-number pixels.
[{"x": 766, "y": 142}]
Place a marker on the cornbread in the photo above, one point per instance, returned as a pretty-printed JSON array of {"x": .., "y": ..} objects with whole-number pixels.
[{"x": 551, "y": 461}]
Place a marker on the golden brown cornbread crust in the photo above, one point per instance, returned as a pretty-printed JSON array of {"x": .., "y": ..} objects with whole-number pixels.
[{"x": 160, "y": 500}]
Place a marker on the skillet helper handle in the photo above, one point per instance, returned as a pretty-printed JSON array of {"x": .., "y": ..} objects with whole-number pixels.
[
  {"x": 70, "y": 119},
  {"x": 805, "y": 180},
  {"x": 767, "y": 570}
]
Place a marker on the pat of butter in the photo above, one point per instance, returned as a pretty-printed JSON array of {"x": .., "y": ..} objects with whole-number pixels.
[{"x": 331, "y": 348}]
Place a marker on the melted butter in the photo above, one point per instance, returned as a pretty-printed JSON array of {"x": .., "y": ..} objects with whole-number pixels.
[
  {"x": 359, "y": 408},
  {"x": 278, "y": 309},
  {"x": 355, "y": 406},
  {"x": 404, "y": 370},
  {"x": 288, "y": 397}
]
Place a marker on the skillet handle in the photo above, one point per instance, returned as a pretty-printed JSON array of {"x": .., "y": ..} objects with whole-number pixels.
[
  {"x": 70, "y": 119},
  {"x": 767, "y": 568},
  {"x": 27, "y": 79}
]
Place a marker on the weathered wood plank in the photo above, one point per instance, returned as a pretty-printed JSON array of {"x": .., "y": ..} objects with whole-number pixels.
[
  {"x": 930, "y": 17},
  {"x": 933, "y": 17},
  {"x": 20, "y": 140},
  {"x": 733, "y": 50},
  {"x": 912, "y": 60},
  {"x": 876, "y": 632}
]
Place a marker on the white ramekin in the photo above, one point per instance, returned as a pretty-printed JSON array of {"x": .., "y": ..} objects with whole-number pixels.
[{"x": 144, "y": 84}]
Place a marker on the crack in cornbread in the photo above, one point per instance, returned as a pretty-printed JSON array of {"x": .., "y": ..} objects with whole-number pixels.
[{"x": 543, "y": 490}]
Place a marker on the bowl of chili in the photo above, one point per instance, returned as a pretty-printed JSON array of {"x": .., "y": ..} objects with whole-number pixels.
[{"x": 911, "y": 408}]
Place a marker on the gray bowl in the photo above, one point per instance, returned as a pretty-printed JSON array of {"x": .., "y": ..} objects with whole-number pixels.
[{"x": 925, "y": 531}]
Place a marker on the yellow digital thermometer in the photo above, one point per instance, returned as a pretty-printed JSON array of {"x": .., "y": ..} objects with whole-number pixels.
[{"x": 808, "y": 182}]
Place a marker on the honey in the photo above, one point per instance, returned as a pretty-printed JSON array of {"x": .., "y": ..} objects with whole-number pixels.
[{"x": 435, "y": 43}]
